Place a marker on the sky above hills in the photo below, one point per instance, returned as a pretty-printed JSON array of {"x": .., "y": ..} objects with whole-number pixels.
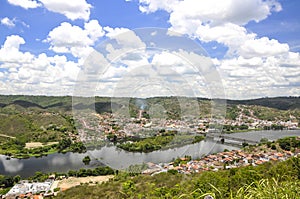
[{"x": 254, "y": 46}]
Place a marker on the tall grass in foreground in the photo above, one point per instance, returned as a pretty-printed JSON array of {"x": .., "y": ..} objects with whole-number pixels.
[{"x": 269, "y": 189}]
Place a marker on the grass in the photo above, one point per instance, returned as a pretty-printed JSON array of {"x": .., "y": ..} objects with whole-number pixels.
[{"x": 269, "y": 188}]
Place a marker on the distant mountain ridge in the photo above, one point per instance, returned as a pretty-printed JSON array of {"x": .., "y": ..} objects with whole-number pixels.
[
  {"x": 103, "y": 103},
  {"x": 282, "y": 103}
]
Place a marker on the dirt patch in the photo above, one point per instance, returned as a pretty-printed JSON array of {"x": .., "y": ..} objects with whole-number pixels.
[
  {"x": 72, "y": 181},
  {"x": 38, "y": 144}
]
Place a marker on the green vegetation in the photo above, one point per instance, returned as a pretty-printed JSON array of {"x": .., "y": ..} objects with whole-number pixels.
[
  {"x": 270, "y": 180},
  {"x": 264, "y": 111},
  {"x": 147, "y": 144},
  {"x": 99, "y": 171},
  {"x": 66, "y": 145},
  {"x": 267, "y": 188},
  {"x": 232, "y": 112},
  {"x": 179, "y": 161},
  {"x": 49, "y": 119},
  {"x": 235, "y": 128},
  {"x": 160, "y": 141},
  {"x": 6, "y": 182},
  {"x": 41, "y": 119},
  {"x": 289, "y": 143},
  {"x": 86, "y": 160},
  {"x": 281, "y": 103},
  {"x": 16, "y": 149},
  {"x": 13, "y": 150}
]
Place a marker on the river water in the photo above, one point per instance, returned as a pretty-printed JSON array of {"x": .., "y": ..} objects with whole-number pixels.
[{"x": 120, "y": 159}]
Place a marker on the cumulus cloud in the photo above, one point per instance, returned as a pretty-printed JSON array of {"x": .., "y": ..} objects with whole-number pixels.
[
  {"x": 213, "y": 12},
  {"x": 113, "y": 32},
  {"x": 10, "y": 54},
  {"x": 253, "y": 66},
  {"x": 126, "y": 41},
  {"x": 25, "y": 3},
  {"x": 154, "y": 5},
  {"x": 257, "y": 77},
  {"x": 26, "y": 73},
  {"x": 222, "y": 22},
  {"x": 75, "y": 9},
  {"x": 67, "y": 38},
  {"x": 8, "y": 22},
  {"x": 262, "y": 47}
]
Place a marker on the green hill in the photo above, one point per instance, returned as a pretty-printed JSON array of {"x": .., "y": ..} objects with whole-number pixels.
[
  {"x": 37, "y": 116},
  {"x": 281, "y": 103}
]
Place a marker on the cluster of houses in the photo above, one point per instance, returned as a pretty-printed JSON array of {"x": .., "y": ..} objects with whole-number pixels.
[
  {"x": 222, "y": 160},
  {"x": 35, "y": 190}
]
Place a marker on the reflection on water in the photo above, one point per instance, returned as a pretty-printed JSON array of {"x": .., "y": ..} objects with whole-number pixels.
[
  {"x": 107, "y": 155},
  {"x": 119, "y": 159},
  {"x": 12, "y": 165}
]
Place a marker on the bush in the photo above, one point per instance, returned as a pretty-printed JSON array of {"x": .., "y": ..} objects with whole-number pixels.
[
  {"x": 56, "y": 189},
  {"x": 86, "y": 160}
]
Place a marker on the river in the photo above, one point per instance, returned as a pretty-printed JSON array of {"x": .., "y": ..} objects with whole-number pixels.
[{"x": 120, "y": 159}]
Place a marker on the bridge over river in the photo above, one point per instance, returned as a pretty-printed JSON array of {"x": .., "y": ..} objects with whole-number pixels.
[{"x": 230, "y": 139}]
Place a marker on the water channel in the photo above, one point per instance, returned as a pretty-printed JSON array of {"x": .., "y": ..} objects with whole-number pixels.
[{"x": 120, "y": 159}]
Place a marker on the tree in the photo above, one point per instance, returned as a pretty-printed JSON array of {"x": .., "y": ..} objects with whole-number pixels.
[
  {"x": 244, "y": 144},
  {"x": 17, "y": 178},
  {"x": 86, "y": 160},
  {"x": 264, "y": 140},
  {"x": 64, "y": 143}
]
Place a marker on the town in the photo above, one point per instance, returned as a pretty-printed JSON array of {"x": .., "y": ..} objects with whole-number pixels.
[
  {"x": 94, "y": 127},
  {"x": 222, "y": 160}
]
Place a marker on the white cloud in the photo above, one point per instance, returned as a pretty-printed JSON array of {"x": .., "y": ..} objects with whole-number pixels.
[
  {"x": 113, "y": 32},
  {"x": 167, "y": 58},
  {"x": 75, "y": 9},
  {"x": 12, "y": 22},
  {"x": 222, "y": 22},
  {"x": 262, "y": 47},
  {"x": 253, "y": 66},
  {"x": 30, "y": 74},
  {"x": 261, "y": 76},
  {"x": 126, "y": 41},
  {"x": 214, "y": 12},
  {"x": 25, "y": 3},
  {"x": 154, "y": 5},
  {"x": 8, "y": 22},
  {"x": 94, "y": 30},
  {"x": 67, "y": 38},
  {"x": 10, "y": 54}
]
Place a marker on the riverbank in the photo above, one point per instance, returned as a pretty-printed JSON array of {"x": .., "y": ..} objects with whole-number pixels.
[
  {"x": 32, "y": 149},
  {"x": 16, "y": 149}
]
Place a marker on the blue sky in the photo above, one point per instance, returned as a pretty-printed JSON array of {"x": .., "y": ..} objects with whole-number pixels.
[{"x": 253, "y": 44}]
